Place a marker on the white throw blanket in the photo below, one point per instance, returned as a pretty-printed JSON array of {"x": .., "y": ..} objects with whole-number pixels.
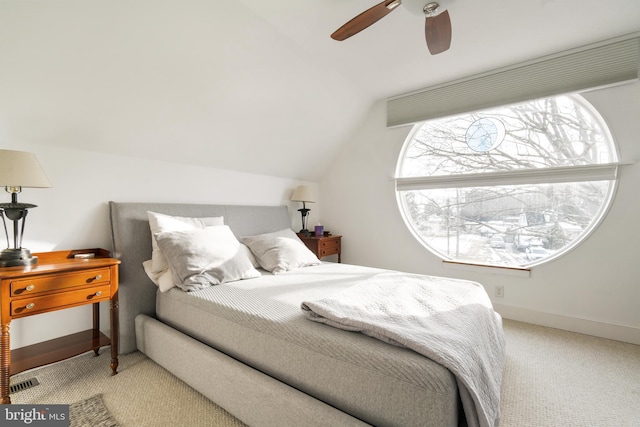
[{"x": 449, "y": 321}]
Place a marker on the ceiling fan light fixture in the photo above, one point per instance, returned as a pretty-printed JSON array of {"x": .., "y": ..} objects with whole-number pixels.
[
  {"x": 431, "y": 8},
  {"x": 416, "y": 7}
]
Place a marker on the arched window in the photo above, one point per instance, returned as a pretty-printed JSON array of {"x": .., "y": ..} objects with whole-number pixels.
[{"x": 511, "y": 186}]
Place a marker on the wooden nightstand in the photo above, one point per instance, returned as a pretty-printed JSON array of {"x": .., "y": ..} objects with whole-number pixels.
[
  {"x": 58, "y": 281},
  {"x": 323, "y": 246}
]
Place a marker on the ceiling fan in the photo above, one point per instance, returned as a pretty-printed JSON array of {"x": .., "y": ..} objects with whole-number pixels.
[{"x": 437, "y": 26}]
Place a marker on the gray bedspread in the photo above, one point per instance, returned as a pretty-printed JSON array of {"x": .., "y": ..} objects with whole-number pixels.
[{"x": 449, "y": 321}]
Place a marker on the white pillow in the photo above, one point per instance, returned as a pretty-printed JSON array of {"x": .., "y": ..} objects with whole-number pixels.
[
  {"x": 160, "y": 222},
  {"x": 202, "y": 257},
  {"x": 280, "y": 251},
  {"x": 244, "y": 248},
  {"x": 163, "y": 279}
]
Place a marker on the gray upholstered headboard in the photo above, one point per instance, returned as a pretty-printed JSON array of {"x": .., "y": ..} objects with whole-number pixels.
[{"x": 131, "y": 239}]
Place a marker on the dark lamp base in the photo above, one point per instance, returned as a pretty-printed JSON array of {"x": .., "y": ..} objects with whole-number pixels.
[{"x": 17, "y": 257}]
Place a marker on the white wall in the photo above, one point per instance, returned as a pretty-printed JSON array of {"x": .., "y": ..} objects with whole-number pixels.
[
  {"x": 74, "y": 213},
  {"x": 593, "y": 289}
]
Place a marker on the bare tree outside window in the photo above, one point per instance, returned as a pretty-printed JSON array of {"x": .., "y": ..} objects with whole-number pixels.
[{"x": 516, "y": 220}]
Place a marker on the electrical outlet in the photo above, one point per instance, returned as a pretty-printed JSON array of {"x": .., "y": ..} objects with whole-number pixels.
[{"x": 499, "y": 291}]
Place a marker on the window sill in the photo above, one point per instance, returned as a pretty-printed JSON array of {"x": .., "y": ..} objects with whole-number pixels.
[{"x": 493, "y": 269}]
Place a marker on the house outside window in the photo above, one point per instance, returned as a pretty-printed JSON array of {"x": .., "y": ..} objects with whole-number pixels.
[{"x": 512, "y": 186}]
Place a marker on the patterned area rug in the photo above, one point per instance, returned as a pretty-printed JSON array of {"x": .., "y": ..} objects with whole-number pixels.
[{"x": 91, "y": 412}]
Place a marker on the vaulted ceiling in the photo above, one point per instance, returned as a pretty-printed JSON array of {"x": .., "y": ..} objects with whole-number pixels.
[{"x": 251, "y": 85}]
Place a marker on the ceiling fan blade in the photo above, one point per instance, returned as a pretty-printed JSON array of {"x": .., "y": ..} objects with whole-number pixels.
[
  {"x": 365, "y": 19},
  {"x": 437, "y": 30}
]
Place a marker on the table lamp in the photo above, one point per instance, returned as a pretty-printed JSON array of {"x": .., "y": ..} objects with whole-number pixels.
[
  {"x": 18, "y": 169},
  {"x": 303, "y": 194}
]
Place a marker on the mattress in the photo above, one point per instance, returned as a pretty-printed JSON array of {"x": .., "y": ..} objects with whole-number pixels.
[{"x": 260, "y": 323}]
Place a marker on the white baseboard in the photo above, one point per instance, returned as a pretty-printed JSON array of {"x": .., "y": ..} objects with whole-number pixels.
[{"x": 574, "y": 324}]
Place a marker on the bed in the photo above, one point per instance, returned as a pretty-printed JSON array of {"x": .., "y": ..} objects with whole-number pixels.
[{"x": 257, "y": 354}]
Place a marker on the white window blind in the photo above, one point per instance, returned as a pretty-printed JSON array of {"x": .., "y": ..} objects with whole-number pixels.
[{"x": 610, "y": 62}]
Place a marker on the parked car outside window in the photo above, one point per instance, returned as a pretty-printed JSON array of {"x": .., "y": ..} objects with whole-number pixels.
[
  {"x": 534, "y": 253},
  {"x": 497, "y": 242}
]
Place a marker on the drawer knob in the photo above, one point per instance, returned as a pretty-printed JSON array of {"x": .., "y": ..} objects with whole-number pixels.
[
  {"x": 30, "y": 306},
  {"x": 99, "y": 276},
  {"x": 31, "y": 287},
  {"x": 98, "y": 293}
]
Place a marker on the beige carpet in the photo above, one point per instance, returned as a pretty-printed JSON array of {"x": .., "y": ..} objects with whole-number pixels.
[
  {"x": 564, "y": 379},
  {"x": 551, "y": 378},
  {"x": 141, "y": 394}
]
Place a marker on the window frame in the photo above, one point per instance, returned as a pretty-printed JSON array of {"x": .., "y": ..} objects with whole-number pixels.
[{"x": 566, "y": 174}]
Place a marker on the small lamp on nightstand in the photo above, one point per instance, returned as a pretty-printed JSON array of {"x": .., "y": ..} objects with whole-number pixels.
[
  {"x": 303, "y": 194},
  {"x": 18, "y": 169}
]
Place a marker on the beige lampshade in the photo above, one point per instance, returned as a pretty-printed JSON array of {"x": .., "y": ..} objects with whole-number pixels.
[
  {"x": 21, "y": 169},
  {"x": 303, "y": 193}
]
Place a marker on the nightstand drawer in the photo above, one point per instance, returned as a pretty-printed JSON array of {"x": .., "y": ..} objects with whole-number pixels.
[
  {"x": 330, "y": 244},
  {"x": 327, "y": 252},
  {"x": 40, "y": 284},
  {"x": 28, "y": 306},
  {"x": 323, "y": 246},
  {"x": 329, "y": 247}
]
